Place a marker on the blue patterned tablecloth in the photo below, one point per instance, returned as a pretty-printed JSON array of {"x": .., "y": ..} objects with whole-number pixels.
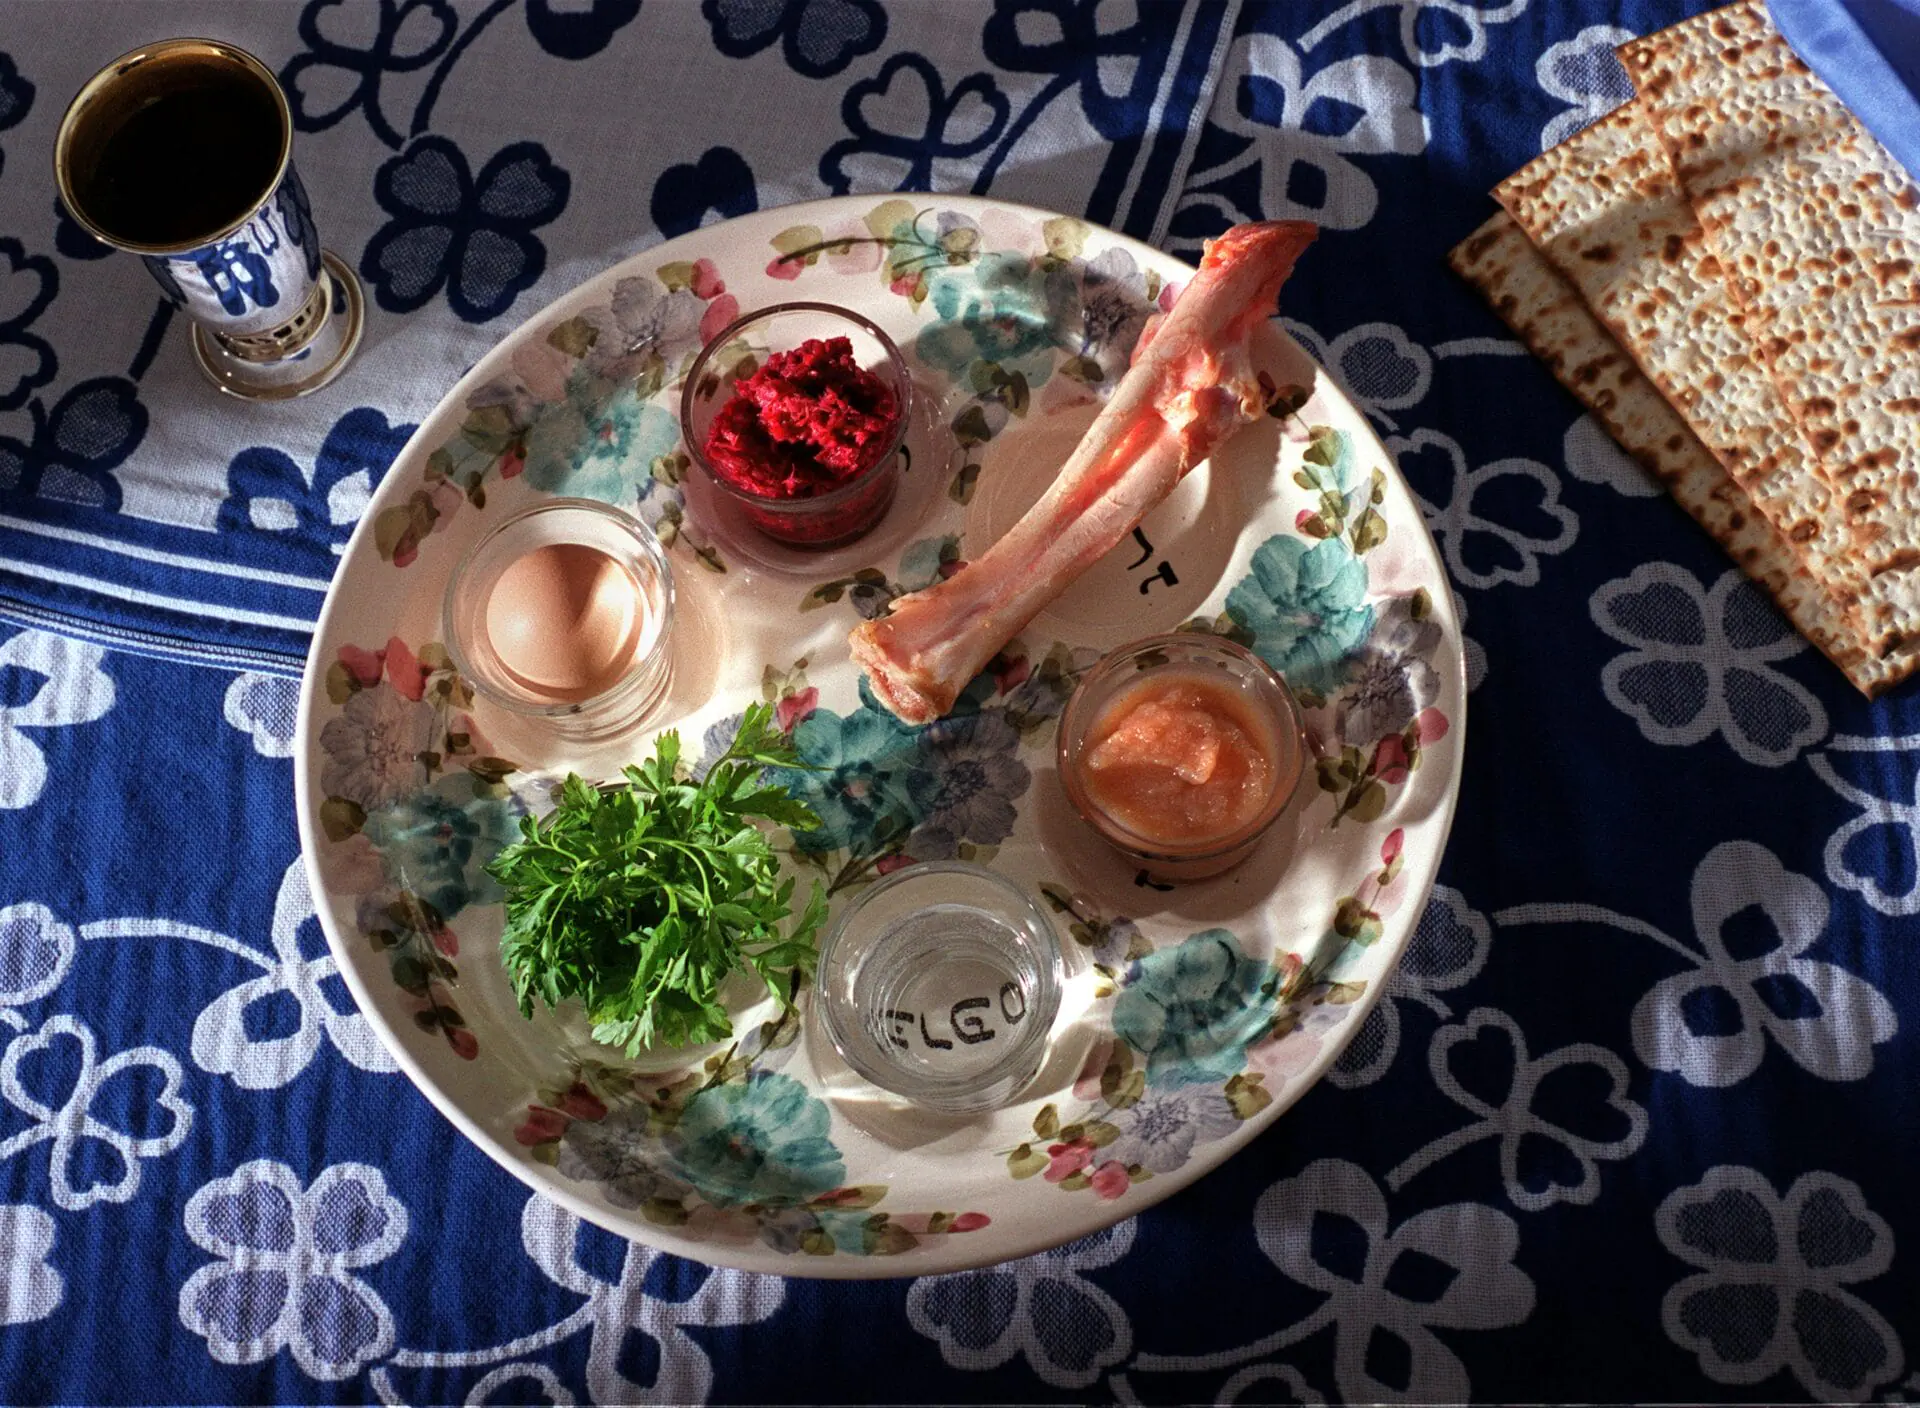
[{"x": 1638, "y": 1116}]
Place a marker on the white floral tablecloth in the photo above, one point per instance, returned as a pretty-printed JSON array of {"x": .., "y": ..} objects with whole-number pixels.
[{"x": 1636, "y": 1118}]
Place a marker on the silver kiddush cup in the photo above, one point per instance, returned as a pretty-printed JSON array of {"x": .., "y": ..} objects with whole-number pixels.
[{"x": 181, "y": 152}]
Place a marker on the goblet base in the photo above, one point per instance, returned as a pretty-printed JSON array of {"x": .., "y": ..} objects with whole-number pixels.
[{"x": 321, "y": 357}]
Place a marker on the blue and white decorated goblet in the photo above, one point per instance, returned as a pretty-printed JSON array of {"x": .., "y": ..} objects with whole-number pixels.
[{"x": 181, "y": 152}]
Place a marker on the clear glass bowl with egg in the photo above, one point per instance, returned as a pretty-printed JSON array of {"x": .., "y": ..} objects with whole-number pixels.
[
  {"x": 563, "y": 613},
  {"x": 1181, "y": 751},
  {"x": 819, "y": 518}
]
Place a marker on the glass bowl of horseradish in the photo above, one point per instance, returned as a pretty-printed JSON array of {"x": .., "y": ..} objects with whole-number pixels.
[
  {"x": 796, "y": 418},
  {"x": 1181, "y": 751},
  {"x": 563, "y": 613}
]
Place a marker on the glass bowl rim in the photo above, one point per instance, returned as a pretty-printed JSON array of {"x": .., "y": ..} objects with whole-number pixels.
[
  {"x": 1073, "y": 725},
  {"x": 650, "y": 548},
  {"x": 903, "y": 390},
  {"x": 1053, "y": 981}
]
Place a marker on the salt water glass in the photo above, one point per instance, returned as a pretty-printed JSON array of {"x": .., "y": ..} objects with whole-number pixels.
[{"x": 940, "y": 984}]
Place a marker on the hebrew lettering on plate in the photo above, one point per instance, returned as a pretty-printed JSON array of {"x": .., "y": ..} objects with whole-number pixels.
[{"x": 1163, "y": 573}]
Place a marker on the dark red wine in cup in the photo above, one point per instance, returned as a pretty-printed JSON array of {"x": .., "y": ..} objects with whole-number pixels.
[{"x": 188, "y": 146}]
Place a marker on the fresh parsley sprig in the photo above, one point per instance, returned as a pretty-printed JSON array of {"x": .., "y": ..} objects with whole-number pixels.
[{"x": 641, "y": 899}]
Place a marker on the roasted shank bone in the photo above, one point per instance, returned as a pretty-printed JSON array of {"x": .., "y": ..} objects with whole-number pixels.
[{"x": 1191, "y": 385}]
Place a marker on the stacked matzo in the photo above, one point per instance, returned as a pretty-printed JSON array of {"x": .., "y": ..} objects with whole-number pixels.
[{"x": 1723, "y": 270}]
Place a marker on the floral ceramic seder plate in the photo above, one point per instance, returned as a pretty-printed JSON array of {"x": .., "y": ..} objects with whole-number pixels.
[{"x": 1193, "y": 1016}]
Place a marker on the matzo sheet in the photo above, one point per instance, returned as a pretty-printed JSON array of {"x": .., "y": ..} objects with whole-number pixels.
[
  {"x": 1604, "y": 209},
  {"x": 1818, "y": 232},
  {"x": 1547, "y": 314}
]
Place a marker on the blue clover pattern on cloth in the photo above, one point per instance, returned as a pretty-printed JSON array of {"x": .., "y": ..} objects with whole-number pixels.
[{"x": 1633, "y": 1120}]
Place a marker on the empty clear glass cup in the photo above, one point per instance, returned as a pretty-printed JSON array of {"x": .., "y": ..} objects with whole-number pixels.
[
  {"x": 940, "y": 984},
  {"x": 633, "y": 569}
]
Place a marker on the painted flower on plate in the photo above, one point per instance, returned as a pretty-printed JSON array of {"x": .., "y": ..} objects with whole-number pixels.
[
  {"x": 617, "y": 1153},
  {"x": 372, "y": 744},
  {"x": 650, "y": 318},
  {"x": 436, "y": 843},
  {"x": 1193, "y": 1009},
  {"x": 965, "y": 776},
  {"x": 922, "y": 244},
  {"x": 1109, "y": 1180},
  {"x": 1307, "y": 608},
  {"x": 1113, "y": 309},
  {"x": 1392, "y": 680},
  {"x": 926, "y": 561},
  {"x": 1004, "y": 309},
  {"x": 1041, "y": 689},
  {"x": 862, "y": 766},
  {"x": 1112, "y": 940},
  {"x": 1289, "y": 1051},
  {"x": 600, "y": 443},
  {"x": 1160, "y": 1129},
  {"x": 763, "y": 1140}
]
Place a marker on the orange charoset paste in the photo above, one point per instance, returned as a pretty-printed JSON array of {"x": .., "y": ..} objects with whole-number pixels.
[{"x": 1180, "y": 759}]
